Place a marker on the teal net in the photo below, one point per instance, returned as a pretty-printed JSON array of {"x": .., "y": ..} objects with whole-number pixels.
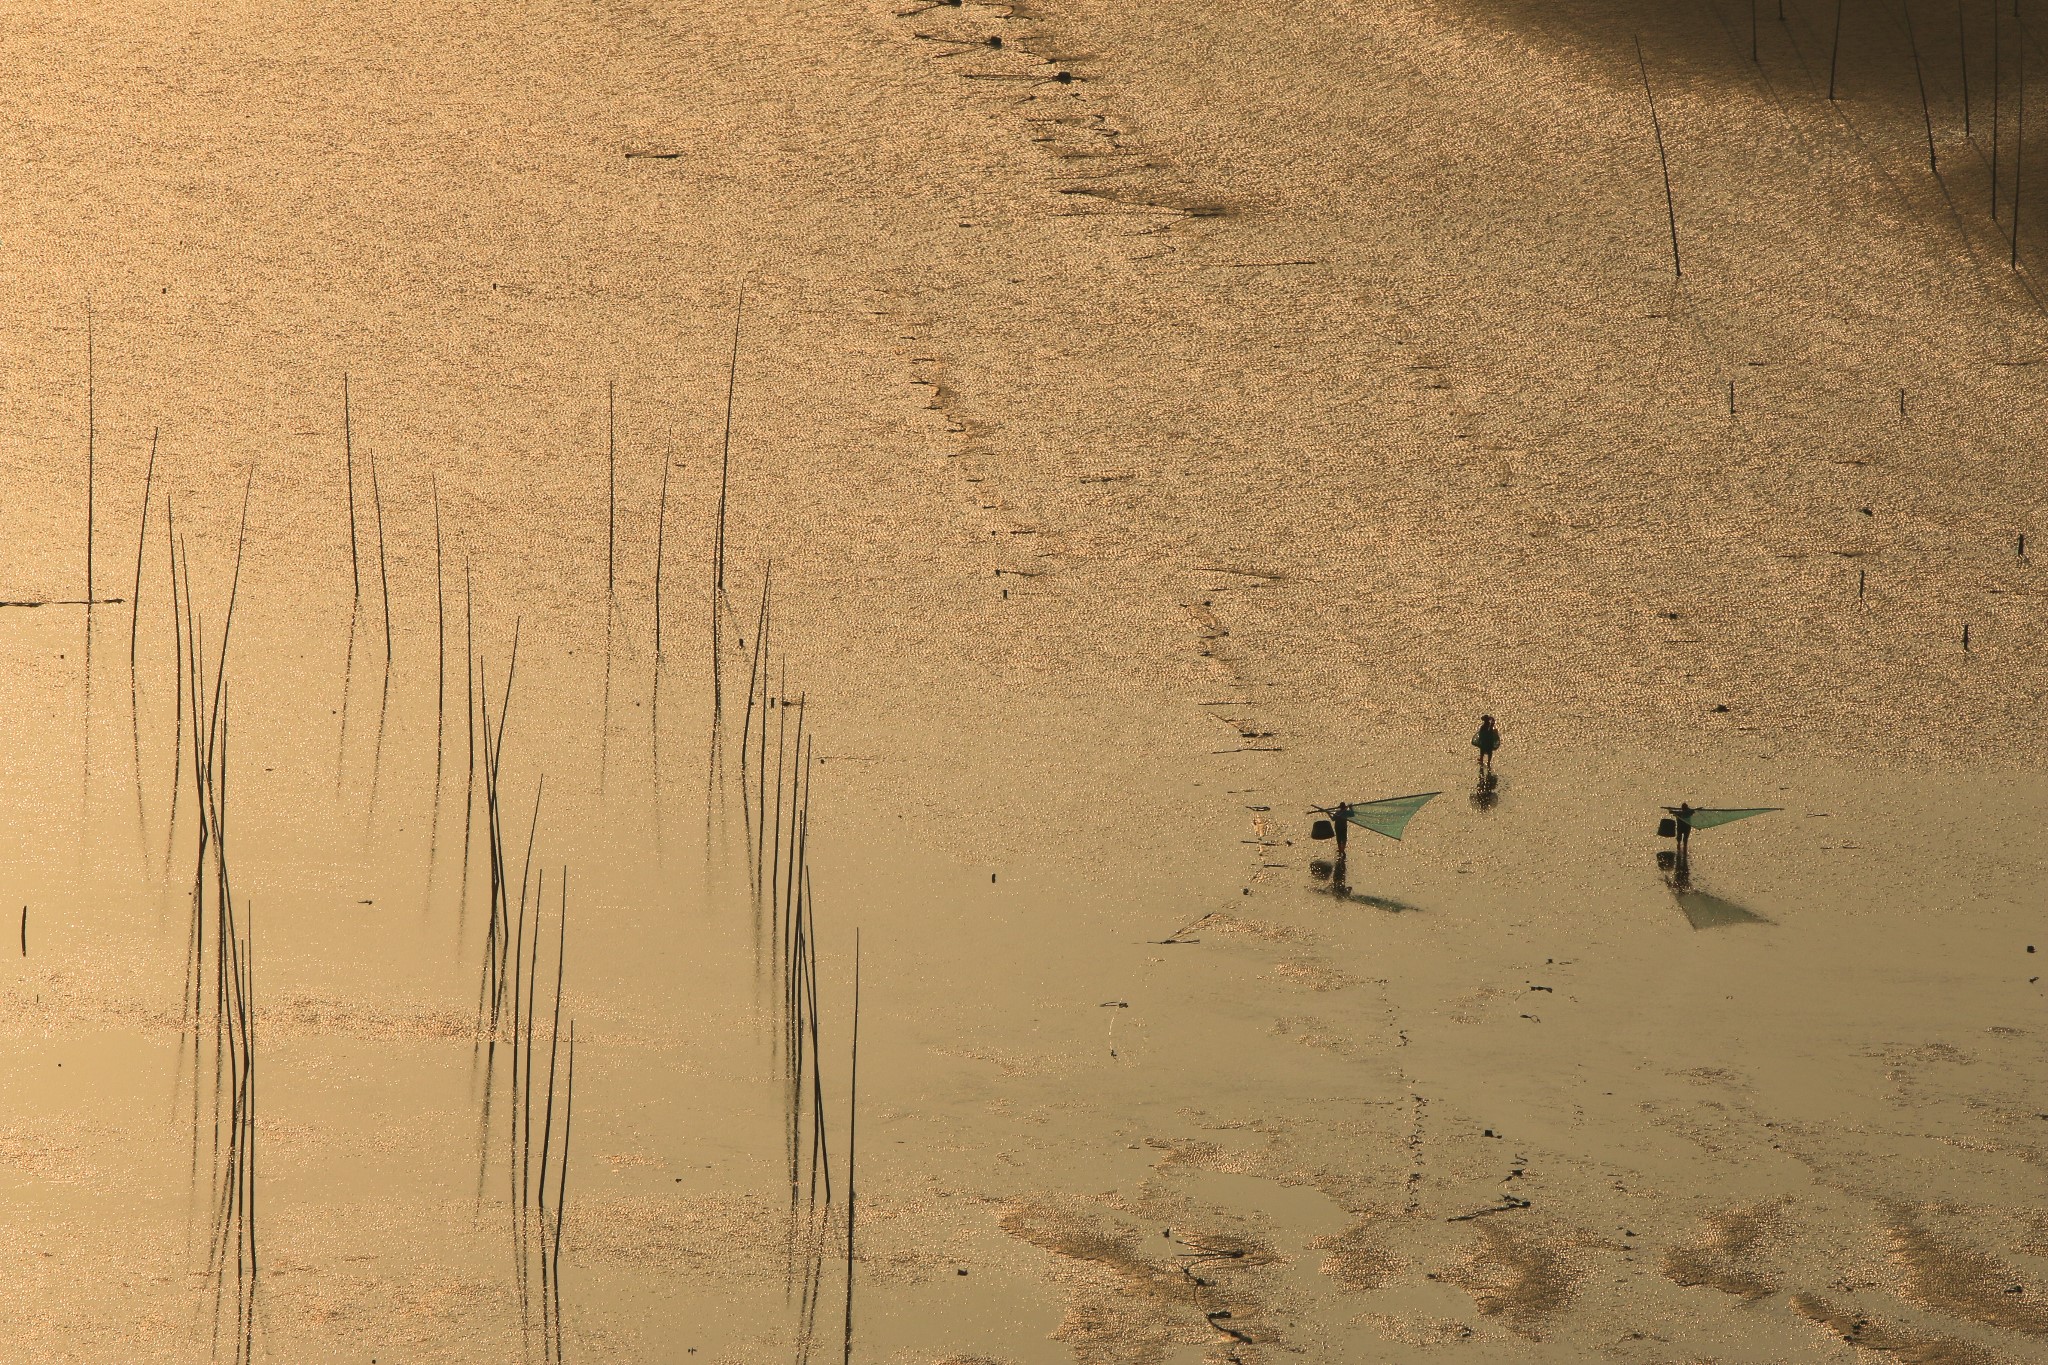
[
  {"x": 1391, "y": 816},
  {"x": 1708, "y": 818}
]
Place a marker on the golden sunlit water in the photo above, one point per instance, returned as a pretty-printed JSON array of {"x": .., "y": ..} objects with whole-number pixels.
[{"x": 669, "y": 669}]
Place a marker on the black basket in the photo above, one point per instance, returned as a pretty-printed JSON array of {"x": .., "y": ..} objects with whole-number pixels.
[
  {"x": 1667, "y": 828},
  {"x": 1322, "y": 829}
]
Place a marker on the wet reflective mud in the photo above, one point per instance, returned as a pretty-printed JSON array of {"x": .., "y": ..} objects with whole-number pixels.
[{"x": 663, "y": 661}]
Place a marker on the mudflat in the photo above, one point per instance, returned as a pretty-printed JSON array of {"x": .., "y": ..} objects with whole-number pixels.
[{"x": 627, "y": 524}]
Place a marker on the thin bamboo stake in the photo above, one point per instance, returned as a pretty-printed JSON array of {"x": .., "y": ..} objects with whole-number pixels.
[
  {"x": 383, "y": 575},
  {"x": 660, "y": 540},
  {"x": 604, "y": 731},
  {"x": 852, "y": 1120},
  {"x": 766, "y": 639},
  {"x": 348, "y": 449},
  {"x": 441, "y": 649},
  {"x": 821, "y": 1155},
  {"x": 2019, "y": 139},
  {"x": 526, "y": 1094},
  {"x": 781, "y": 737},
  {"x": 718, "y": 542},
  {"x": 1926, "y": 116},
  {"x": 725, "y": 456},
  {"x": 1963, "y": 62},
  {"x": 518, "y": 956},
  {"x": 547, "y": 1126},
  {"x": 141, "y": 539},
  {"x": 469, "y": 718},
  {"x": 1835, "y": 52},
  {"x": 178, "y": 647},
  {"x": 1657, "y": 126},
  {"x": 562, "y": 1171},
  {"x": 753, "y": 671},
  {"x": 800, "y": 807},
  {"x": 611, "y": 517},
  {"x": 91, "y": 435}
]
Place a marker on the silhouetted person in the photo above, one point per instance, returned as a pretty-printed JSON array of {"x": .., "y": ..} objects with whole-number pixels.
[
  {"x": 1681, "y": 819},
  {"x": 1486, "y": 741},
  {"x": 1340, "y": 820}
]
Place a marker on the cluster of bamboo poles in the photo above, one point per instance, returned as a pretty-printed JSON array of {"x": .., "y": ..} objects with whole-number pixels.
[
  {"x": 355, "y": 565},
  {"x": 508, "y": 1008},
  {"x": 778, "y": 834},
  {"x": 219, "y": 967},
  {"x": 2017, "y": 41},
  {"x": 776, "y": 846}
]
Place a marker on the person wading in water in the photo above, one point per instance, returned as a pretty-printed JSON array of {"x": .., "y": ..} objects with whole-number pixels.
[
  {"x": 1340, "y": 820},
  {"x": 1486, "y": 741},
  {"x": 1681, "y": 818}
]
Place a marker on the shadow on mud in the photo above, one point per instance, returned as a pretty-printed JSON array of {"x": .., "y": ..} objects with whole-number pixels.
[
  {"x": 1702, "y": 909},
  {"x": 1794, "y": 45},
  {"x": 1330, "y": 881}
]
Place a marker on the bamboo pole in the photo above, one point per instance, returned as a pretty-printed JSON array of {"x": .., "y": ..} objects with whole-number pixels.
[
  {"x": 718, "y": 542},
  {"x": 91, "y": 435},
  {"x": 660, "y": 541},
  {"x": 852, "y": 1121},
  {"x": 1926, "y": 116},
  {"x": 562, "y": 1171},
  {"x": 547, "y": 1127},
  {"x": 348, "y": 450},
  {"x": 1657, "y": 126},
  {"x": 611, "y": 518},
  {"x": 383, "y": 573},
  {"x": 1835, "y": 51},
  {"x": 141, "y": 539},
  {"x": 1963, "y": 62},
  {"x": 441, "y": 646},
  {"x": 2019, "y": 139}
]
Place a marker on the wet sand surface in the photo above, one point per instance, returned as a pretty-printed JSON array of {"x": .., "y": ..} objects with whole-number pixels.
[{"x": 1142, "y": 459}]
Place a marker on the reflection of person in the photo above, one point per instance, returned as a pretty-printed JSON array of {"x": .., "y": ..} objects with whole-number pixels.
[
  {"x": 1678, "y": 869},
  {"x": 1486, "y": 741}
]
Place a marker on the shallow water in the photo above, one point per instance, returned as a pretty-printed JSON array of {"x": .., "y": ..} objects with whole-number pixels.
[{"x": 1141, "y": 460}]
